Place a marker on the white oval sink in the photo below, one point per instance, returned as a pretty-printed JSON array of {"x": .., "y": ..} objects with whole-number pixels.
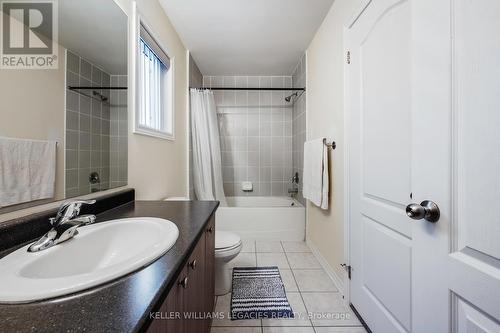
[{"x": 98, "y": 253}]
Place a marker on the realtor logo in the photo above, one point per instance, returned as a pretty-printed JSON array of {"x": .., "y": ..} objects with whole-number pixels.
[{"x": 29, "y": 35}]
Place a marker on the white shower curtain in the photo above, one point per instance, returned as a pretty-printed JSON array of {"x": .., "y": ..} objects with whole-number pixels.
[{"x": 207, "y": 165}]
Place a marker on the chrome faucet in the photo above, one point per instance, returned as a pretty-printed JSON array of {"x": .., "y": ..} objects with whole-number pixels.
[{"x": 64, "y": 225}]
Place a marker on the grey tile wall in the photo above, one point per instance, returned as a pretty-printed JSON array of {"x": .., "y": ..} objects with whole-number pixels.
[
  {"x": 299, "y": 123},
  {"x": 118, "y": 133},
  {"x": 255, "y": 133},
  {"x": 88, "y": 128}
]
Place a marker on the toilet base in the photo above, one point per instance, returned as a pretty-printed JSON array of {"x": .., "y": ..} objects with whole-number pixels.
[{"x": 223, "y": 281}]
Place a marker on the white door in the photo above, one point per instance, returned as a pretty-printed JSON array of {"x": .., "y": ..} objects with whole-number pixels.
[
  {"x": 424, "y": 87},
  {"x": 457, "y": 104},
  {"x": 380, "y": 164}
]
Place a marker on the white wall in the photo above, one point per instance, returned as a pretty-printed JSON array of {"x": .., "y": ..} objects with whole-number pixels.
[
  {"x": 325, "y": 118},
  {"x": 32, "y": 107},
  {"x": 158, "y": 168}
]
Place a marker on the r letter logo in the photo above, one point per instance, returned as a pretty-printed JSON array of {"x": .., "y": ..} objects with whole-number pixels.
[{"x": 29, "y": 35}]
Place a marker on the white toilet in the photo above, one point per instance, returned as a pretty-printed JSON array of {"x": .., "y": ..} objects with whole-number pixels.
[{"x": 227, "y": 246}]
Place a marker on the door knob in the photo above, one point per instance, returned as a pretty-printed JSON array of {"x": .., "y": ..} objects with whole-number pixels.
[{"x": 427, "y": 210}]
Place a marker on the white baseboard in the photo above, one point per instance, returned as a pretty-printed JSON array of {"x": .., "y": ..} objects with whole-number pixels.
[{"x": 337, "y": 280}]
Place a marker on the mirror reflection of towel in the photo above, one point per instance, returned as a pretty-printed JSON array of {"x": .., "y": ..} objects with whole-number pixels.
[{"x": 27, "y": 170}]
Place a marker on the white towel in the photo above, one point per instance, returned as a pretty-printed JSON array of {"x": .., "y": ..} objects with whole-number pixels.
[
  {"x": 27, "y": 170},
  {"x": 316, "y": 182}
]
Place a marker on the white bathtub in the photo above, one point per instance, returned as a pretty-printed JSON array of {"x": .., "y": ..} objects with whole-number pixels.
[{"x": 266, "y": 218}]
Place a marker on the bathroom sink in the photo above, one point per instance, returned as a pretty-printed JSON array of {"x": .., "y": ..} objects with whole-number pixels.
[{"x": 98, "y": 253}]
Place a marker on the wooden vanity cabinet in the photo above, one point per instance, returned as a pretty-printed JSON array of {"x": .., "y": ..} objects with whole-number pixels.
[
  {"x": 193, "y": 294},
  {"x": 194, "y": 302},
  {"x": 171, "y": 307},
  {"x": 210, "y": 267}
]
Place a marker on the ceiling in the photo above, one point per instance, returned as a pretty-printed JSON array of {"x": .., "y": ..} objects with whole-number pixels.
[
  {"x": 97, "y": 31},
  {"x": 246, "y": 37}
]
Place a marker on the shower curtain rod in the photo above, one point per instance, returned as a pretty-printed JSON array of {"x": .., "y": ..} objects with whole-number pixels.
[{"x": 274, "y": 89}]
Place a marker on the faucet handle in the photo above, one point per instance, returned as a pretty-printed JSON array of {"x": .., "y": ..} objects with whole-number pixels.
[
  {"x": 79, "y": 203},
  {"x": 69, "y": 210},
  {"x": 85, "y": 219}
]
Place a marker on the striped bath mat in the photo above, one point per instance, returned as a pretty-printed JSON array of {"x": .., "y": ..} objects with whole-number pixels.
[{"x": 258, "y": 292}]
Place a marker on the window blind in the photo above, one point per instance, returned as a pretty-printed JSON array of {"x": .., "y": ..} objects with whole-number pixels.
[
  {"x": 153, "y": 46},
  {"x": 152, "y": 109}
]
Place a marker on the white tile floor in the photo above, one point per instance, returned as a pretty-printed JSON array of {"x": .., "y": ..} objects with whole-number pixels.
[{"x": 317, "y": 304}]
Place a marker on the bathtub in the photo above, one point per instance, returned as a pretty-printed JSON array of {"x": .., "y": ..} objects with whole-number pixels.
[{"x": 266, "y": 218}]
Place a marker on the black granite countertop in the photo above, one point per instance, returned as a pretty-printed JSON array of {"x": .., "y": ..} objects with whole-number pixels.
[{"x": 122, "y": 305}]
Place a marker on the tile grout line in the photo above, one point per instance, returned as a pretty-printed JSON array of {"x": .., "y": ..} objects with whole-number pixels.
[
  {"x": 300, "y": 292},
  {"x": 256, "y": 265}
]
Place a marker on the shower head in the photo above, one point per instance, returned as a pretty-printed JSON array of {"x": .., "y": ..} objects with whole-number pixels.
[{"x": 289, "y": 98}]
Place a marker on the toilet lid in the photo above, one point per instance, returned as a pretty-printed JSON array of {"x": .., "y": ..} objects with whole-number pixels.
[{"x": 225, "y": 239}]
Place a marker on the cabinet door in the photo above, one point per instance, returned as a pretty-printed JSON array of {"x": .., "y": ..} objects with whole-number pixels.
[
  {"x": 193, "y": 295},
  {"x": 195, "y": 302},
  {"x": 210, "y": 266},
  {"x": 172, "y": 316}
]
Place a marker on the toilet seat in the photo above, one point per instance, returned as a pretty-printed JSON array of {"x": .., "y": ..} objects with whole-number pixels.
[{"x": 226, "y": 241}]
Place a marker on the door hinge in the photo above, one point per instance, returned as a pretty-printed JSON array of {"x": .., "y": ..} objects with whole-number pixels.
[
  {"x": 348, "y": 269},
  {"x": 348, "y": 57}
]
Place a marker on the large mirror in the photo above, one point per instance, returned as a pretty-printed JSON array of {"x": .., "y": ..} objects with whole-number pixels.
[{"x": 63, "y": 110}]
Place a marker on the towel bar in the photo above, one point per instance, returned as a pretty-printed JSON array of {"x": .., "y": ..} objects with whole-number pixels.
[{"x": 331, "y": 145}]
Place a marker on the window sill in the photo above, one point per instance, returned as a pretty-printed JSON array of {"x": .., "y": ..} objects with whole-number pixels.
[{"x": 154, "y": 134}]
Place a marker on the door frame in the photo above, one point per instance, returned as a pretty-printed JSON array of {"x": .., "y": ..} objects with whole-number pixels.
[{"x": 347, "y": 146}]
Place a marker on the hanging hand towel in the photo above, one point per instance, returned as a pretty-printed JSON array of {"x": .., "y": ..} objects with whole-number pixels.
[
  {"x": 316, "y": 182},
  {"x": 27, "y": 170}
]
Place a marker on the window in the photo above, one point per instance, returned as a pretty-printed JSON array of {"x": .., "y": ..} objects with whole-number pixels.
[{"x": 154, "y": 112}]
